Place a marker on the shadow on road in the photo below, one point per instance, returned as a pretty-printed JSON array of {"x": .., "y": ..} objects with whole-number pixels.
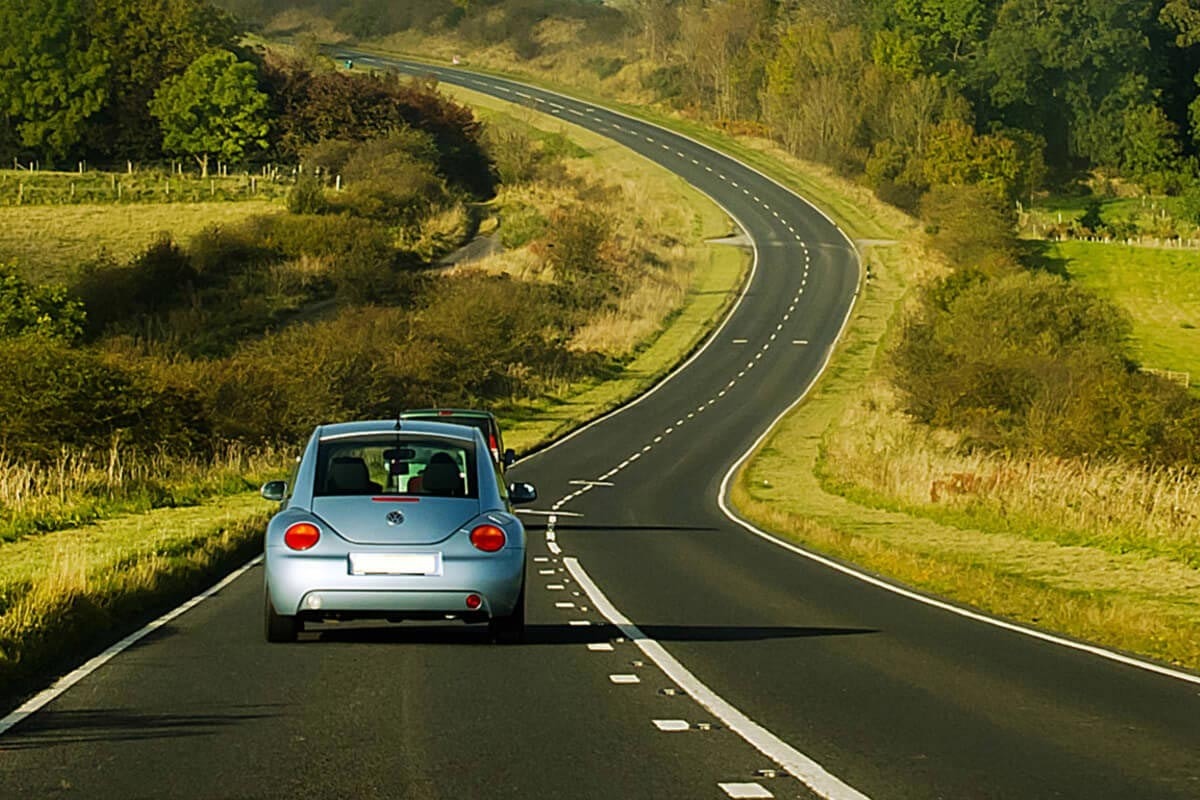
[
  {"x": 52, "y": 728},
  {"x": 540, "y": 635}
]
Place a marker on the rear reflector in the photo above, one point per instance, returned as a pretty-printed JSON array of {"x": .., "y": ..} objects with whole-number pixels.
[
  {"x": 474, "y": 601},
  {"x": 391, "y": 498},
  {"x": 302, "y": 536},
  {"x": 487, "y": 538}
]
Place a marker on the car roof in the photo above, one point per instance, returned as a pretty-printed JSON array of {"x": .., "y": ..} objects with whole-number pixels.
[
  {"x": 456, "y": 412},
  {"x": 366, "y": 427}
]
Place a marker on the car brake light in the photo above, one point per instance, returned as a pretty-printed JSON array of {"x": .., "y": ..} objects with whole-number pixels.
[
  {"x": 494, "y": 446},
  {"x": 487, "y": 538},
  {"x": 302, "y": 536},
  {"x": 445, "y": 413}
]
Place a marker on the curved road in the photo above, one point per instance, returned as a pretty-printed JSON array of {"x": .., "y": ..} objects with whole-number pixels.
[{"x": 672, "y": 654}]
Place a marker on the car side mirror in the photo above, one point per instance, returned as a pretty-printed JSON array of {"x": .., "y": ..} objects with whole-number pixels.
[
  {"x": 274, "y": 491},
  {"x": 522, "y": 493},
  {"x": 510, "y": 456}
]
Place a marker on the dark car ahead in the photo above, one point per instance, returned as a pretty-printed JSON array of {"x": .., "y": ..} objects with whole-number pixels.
[{"x": 485, "y": 421}]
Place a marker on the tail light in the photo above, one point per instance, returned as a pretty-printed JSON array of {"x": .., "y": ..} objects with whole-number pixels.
[
  {"x": 494, "y": 446},
  {"x": 487, "y": 538},
  {"x": 302, "y": 536}
]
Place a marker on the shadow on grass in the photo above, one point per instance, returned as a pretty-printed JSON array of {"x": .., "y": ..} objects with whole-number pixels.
[{"x": 1036, "y": 255}]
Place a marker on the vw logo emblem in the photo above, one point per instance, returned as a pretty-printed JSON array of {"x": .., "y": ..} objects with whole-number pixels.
[{"x": 394, "y": 518}]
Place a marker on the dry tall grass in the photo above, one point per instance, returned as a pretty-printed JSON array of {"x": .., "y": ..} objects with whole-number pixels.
[
  {"x": 1108, "y": 505},
  {"x": 83, "y": 486}
]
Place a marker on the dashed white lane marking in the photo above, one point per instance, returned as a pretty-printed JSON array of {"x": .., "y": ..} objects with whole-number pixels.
[
  {"x": 555, "y": 105},
  {"x": 799, "y": 765},
  {"x": 799, "y": 341},
  {"x": 624, "y": 679},
  {"x": 590, "y": 484},
  {"x": 576, "y": 113},
  {"x": 554, "y": 548},
  {"x": 534, "y": 512},
  {"x": 504, "y": 89},
  {"x": 600, "y": 647},
  {"x": 680, "y": 154},
  {"x": 579, "y": 623},
  {"x": 740, "y": 341},
  {"x": 541, "y": 559},
  {"x": 555, "y": 587},
  {"x": 708, "y": 169},
  {"x": 658, "y": 439},
  {"x": 733, "y": 184},
  {"x": 671, "y": 725},
  {"x": 694, "y": 161},
  {"x": 564, "y": 604},
  {"x": 522, "y": 94},
  {"x": 666, "y": 147},
  {"x": 33, "y": 704},
  {"x": 745, "y": 790},
  {"x": 545, "y": 572},
  {"x": 722, "y": 177},
  {"x": 649, "y": 138}
]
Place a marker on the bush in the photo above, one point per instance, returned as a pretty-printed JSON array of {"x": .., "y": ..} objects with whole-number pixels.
[
  {"x": 974, "y": 226},
  {"x": 47, "y": 310},
  {"x": 307, "y": 196}
]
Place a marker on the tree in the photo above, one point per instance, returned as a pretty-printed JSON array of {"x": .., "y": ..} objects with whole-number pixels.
[
  {"x": 214, "y": 108},
  {"x": 147, "y": 42},
  {"x": 52, "y": 73}
]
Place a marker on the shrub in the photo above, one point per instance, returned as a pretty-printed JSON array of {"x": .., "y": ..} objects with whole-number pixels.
[
  {"x": 307, "y": 196},
  {"x": 47, "y": 310}
]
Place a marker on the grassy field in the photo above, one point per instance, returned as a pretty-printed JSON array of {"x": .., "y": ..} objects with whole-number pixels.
[
  {"x": 1159, "y": 287},
  {"x": 1081, "y": 583},
  {"x": 50, "y": 242}
]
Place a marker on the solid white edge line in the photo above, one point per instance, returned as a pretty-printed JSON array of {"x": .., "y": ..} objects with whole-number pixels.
[
  {"x": 977, "y": 616},
  {"x": 789, "y": 758},
  {"x": 35, "y": 703}
]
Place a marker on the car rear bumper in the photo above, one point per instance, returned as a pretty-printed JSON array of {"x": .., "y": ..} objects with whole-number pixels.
[{"x": 299, "y": 583}]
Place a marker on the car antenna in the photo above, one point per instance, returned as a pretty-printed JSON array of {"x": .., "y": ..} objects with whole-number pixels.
[{"x": 398, "y": 420}]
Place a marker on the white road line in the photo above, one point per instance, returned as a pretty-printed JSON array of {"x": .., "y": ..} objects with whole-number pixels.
[
  {"x": 799, "y": 765},
  {"x": 533, "y": 512},
  {"x": 555, "y": 587},
  {"x": 708, "y": 169},
  {"x": 590, "y": 484},
  {"x": 554, "y": 548},
  {"x": 545, "y": 572},
  {"x": 33, "y": 704},
  {"x": 740, "y": 341},
  {"x": 799, "y": 341},
  {"x": 573, "y": 111},
  {"x": 624, "y": 679},
  {"x": 745, "y": 790},
  {"x": 564, "y": 604},
  {"x": 671, "y": 725},
  {"x": 579, "y": 623},
  {"x": 600, "y": 647}
]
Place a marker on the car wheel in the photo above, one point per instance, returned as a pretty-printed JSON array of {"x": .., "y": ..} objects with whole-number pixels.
[
  {"x": 510, "y": 629},
  {"x": 280, "y": 627}
]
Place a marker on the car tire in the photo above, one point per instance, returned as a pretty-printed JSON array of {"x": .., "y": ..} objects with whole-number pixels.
[
  {"x": 280, "y": 627},
  {"x": 510, "y": 629}
]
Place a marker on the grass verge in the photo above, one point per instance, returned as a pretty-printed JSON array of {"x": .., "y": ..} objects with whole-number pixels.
[{"x": 69, "y": 593}]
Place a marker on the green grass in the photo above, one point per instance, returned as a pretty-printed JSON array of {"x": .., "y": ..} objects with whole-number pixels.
[
  {"x": 1159, "y": 287},
  {"x": 49, "y": 243}
]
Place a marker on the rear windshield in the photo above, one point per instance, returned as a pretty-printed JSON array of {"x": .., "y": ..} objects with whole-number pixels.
[{"x": 396, "y": 465}]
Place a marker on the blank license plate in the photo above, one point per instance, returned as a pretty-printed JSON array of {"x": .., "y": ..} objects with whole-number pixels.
[{"x": 395, "y": 563}]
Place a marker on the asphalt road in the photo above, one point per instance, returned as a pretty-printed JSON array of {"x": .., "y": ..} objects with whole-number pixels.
[{"x": 672, "y": 653}]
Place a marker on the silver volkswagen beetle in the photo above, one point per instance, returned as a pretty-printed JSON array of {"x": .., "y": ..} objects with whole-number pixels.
[{"x": 395, "y": 520}]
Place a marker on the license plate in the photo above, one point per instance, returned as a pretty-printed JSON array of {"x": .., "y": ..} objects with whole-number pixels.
[{"x": 395, "y": 563}]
